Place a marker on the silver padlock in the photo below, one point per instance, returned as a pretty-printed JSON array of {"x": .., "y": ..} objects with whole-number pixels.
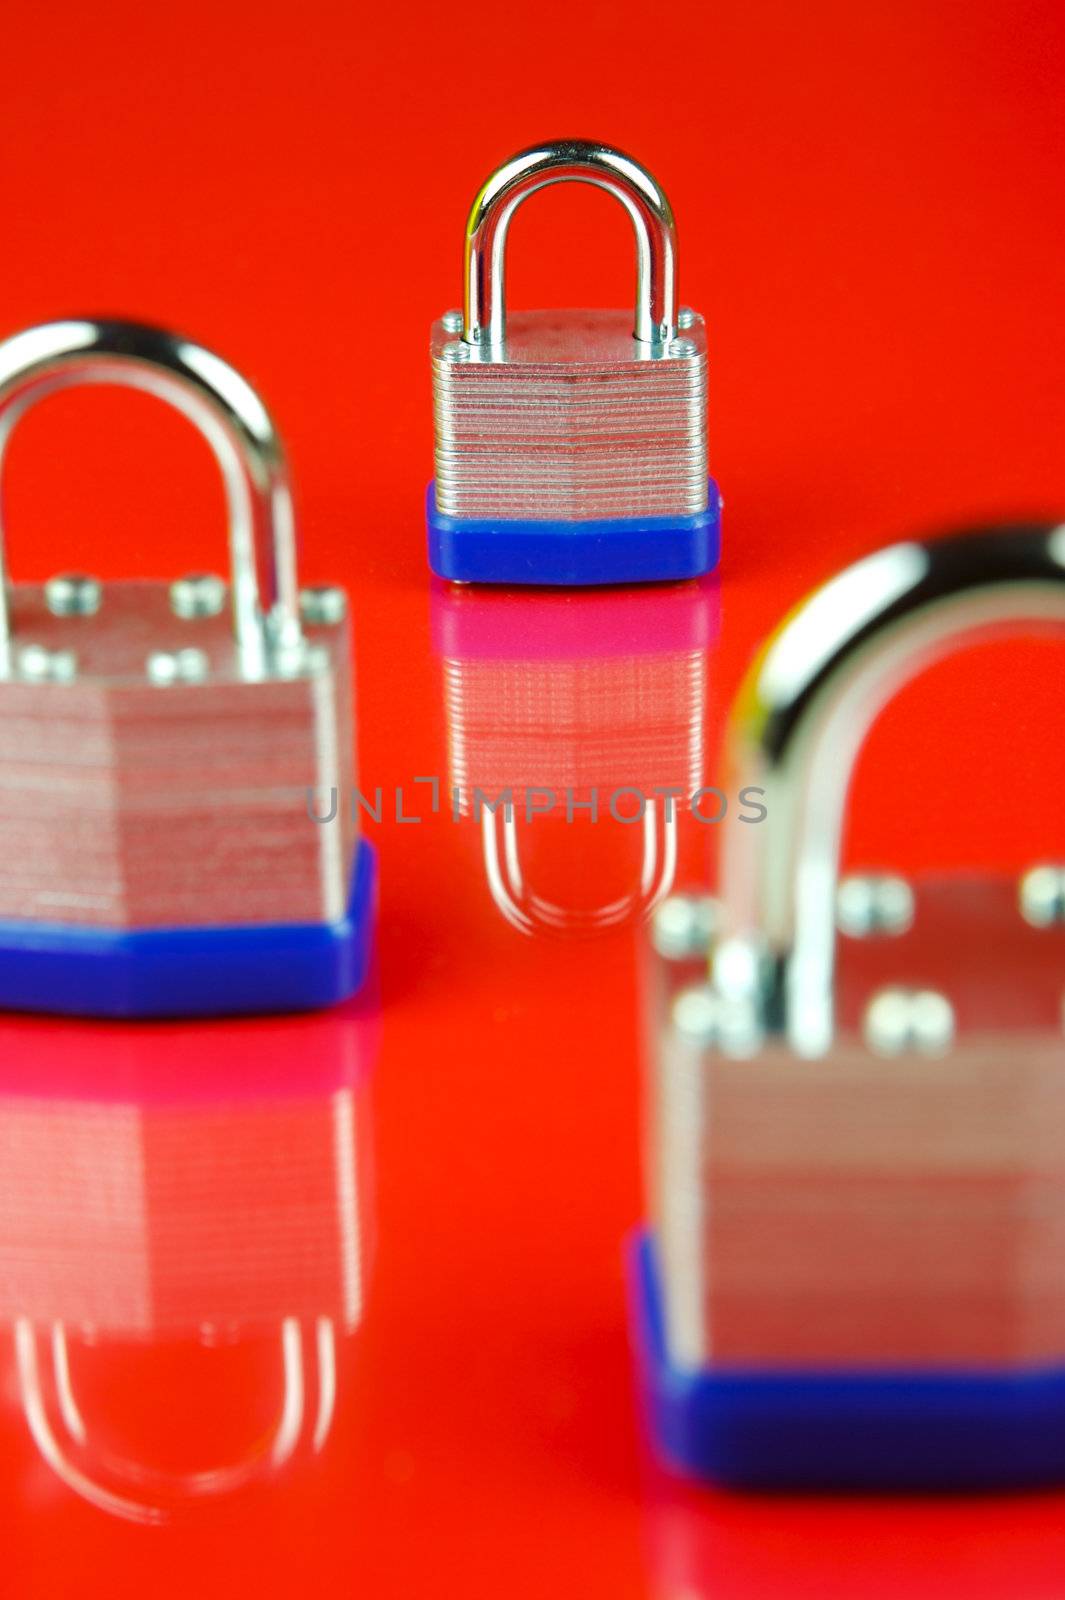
[
  {"x": 571, "y": 445},
  {"x": 855, "y": 1273},
  {"x": 156, "y": 753}
]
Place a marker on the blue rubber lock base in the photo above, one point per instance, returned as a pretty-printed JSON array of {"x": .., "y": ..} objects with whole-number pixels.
[
  {"x": 853, "y": 1430},
  {"x": 190, "y": 972},
  {"x": 611, "y": 550}
]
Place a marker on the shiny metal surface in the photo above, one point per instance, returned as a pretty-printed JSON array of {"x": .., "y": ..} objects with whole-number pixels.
[
  {"x": 571, "y": 420},
  {"x": 801, "y": 717},
  {"x": 897, "y": 1201},
  {"x": 159, "y": 786},
  {"x": 857, "y": 1152},
  {"x": 154, "y": 754},
  {"x": 231, "y": 418},
  {"x": 561, "y": 161},
  {"x": 570, "y": 415}
]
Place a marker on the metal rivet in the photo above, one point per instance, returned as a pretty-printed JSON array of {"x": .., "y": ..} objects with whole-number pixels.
[
  {"x": 73, "y": 594},
  {"x": 457, "y": 350},
  {"x": 452, "y": 321},
  {"x": 705, "y": 1018},
  {"x": 685, "y": 317},
  {"x": 683, "y": 926},
  {"x": 874, "y": 903},
  {"x": 682, "y": 347},
  {"x": 47, "y": 666},
  {"x": 695, "y": 1014},
  {"x": 901, "y": 1021},
  {"x": 1042, "y": 896},
  {"x": 323, "y": 605},
  {"x": 177, "y": 666},
  {"x": 197, "y": 594}
]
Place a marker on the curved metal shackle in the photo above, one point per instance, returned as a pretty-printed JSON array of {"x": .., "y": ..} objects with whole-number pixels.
[
  {"x": 800, "y": 720},
  {"x": 229, "y": 415},
  {"x": 561, "y": 161}
]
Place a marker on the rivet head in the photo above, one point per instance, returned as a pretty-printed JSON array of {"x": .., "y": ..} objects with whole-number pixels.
[
  {"x": 683, "y": 926},
  {"x": 456, "y": 350},
  {"x": 452, "y": 321},
  {"x": 706, "y": 1019},
  {"x": 1042, "y": 896},
  {"x": 197, "y": 594},
  {"x": 685, "y": 317},
  {"x": 682, "y": 348},
  {"x": 177, "y": 666},
  {"x": 73, "y": 594},
  {"x": 901, "y": 1021},
  {"x": 39, "y": 665},
  {"x": 874, "y": 904},
  {"x": 323, "y": 605}
]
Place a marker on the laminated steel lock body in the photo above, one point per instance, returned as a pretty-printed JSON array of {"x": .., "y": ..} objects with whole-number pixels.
[
  {"x": 155, "y": 755},
  {"x": 855, "y": 1273},
  {"x": 571, "y": 445}
]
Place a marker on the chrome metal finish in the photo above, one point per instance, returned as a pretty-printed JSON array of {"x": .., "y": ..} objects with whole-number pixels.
[
  {"x": 1042, "y": 896},
  {"x": 561, "y": 161},
  {"x": 177, "y": 666},
  {"x": 227, "y": 412},
  {"x": 39, "y": 665},
  {"x": 323, "y": 605},
  {"x": 570, "y": 415},
  {"x": 685, "y": 317},
  {"x": 453, "y": 321},
  {"x": 125, "y": 806},
  {"x": 804, "y": 710},
  {"x": 573, "y": 421},
  {"x": 881, "y": 1184},
  {"x": 173, "y": 799},
  {"x": 683, "y": 926},
  {"x": 900, "y": 1021},
  {"x": 898, "y": 1201},
  {"x": 198, "y": 594},
  {"x": 873, "y": 904},
  {"x": 71, "y": 594}
]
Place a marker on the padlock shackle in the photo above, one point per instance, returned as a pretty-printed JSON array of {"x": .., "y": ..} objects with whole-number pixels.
[
  {"x": 562, "y": 161},
  {"x": 799, "y": 722},
  {"x": 229, "y": 415}
]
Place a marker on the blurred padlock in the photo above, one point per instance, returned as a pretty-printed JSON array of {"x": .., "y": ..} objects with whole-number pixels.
[
  {"x": 856, "y": 1269},
  {"x": 182, "y": 1193},
  {"x": 566, "y": 712},
  {"x": 156, "y": 857},
  {"x": 571, "y": 445}
]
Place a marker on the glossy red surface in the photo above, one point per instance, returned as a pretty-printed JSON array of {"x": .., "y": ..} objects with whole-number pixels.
[{"x": 869, "y": 200}]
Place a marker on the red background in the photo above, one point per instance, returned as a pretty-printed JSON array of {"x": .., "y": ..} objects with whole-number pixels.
[{"x": 869, "y": 201}]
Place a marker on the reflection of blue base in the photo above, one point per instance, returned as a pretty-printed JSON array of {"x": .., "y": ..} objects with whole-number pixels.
[
  {"x": 190, "y": 972},
  {"x": 612, "y": 550},
  {"x": 846, "y": 1430}
]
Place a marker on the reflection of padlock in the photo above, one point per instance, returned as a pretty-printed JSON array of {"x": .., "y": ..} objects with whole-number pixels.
[
  {"x": 155, "y": 851},
  {"x": 571, "y": 445},
  {"x": 195, "y": 1191},
  {"x": 855, "y": 1272},
  {"x": 556, "y": 704}
]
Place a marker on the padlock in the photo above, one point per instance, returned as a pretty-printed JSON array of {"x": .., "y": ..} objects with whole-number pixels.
[
  {"x": 200, "y": 1199},
  {"x": 156, "y": 853},
  {"x": 571, "y": 445},
  {"x": 855, "y": 1273},
  {"x": 565, "y": 711}
]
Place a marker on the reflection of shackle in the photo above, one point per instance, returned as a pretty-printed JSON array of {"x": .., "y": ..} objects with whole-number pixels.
[
  {"x": 140, "y": 1493},
  {"x": 143, "y": 1138},
  {"x": 528, "y": 911},
  {"x": 571, "y": 693}
]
